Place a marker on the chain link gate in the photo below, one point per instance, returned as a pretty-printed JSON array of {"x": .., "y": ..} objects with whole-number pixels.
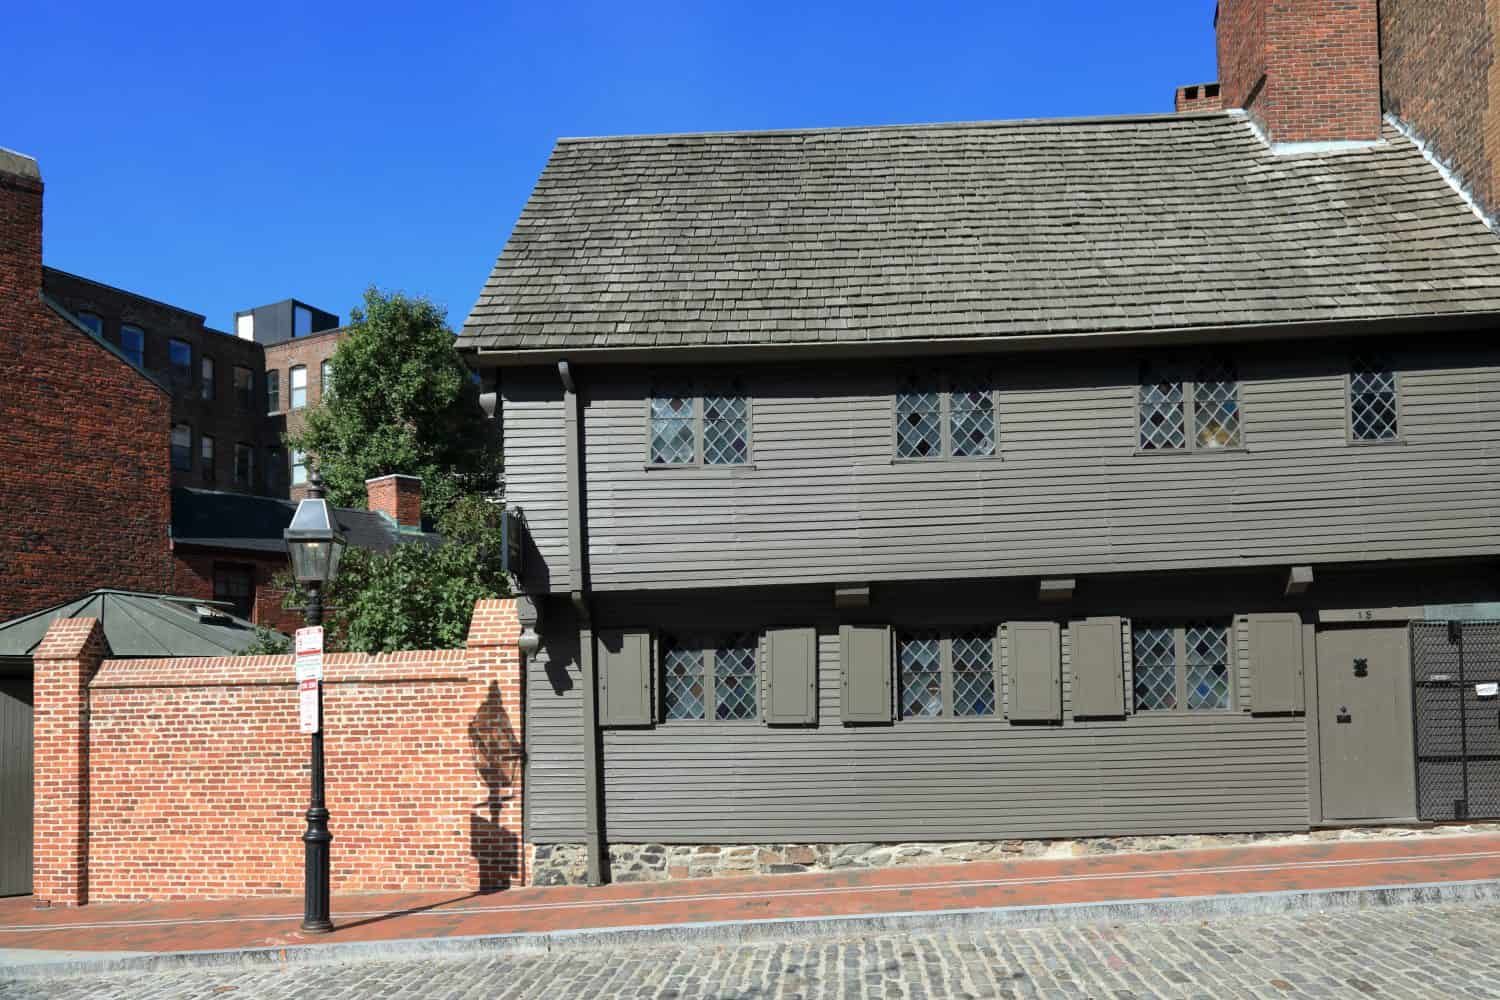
[{"x": 1456, "y": 702}]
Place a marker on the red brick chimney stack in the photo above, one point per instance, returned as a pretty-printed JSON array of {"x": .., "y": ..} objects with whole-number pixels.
[
  {"x": 20, "y": 229},
  {"x": 1304, "y": 70},
  {"x": 398, "y": 497}
]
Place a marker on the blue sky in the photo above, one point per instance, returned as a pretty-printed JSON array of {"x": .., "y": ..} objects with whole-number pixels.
[{"x": 219, "y": 156}]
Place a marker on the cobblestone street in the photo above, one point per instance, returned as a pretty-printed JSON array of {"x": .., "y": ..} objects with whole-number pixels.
[{"x": 1439, "y": 951}]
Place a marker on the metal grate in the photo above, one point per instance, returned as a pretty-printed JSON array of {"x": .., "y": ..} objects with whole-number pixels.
[
  {"x": 972, "y": 423},
  {"x": 1207, "y": 666},
  {"x": 973, "y": 674},
  {"x": 726, "y": 430},
  {"x": 683, "y": 689},
  {"x": 1155, "y": 656},
  {"x": 919, "y": 425},
  {"x": 734, "y": 679},
  {"x": 921, "y": 675},
  {"x": 672, "y": 430},
  {"x": 1216, "y": 407},
  {"x": 1372, "y": 400},
  {"x": 1457, "y": 720},
  {"x": 1161, "y": 407}
]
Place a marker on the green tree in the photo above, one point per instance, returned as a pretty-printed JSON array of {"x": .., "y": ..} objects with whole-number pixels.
[{"x": 402, "y": 403}]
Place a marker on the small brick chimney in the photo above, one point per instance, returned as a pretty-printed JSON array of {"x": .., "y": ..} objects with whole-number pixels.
[
  {"x": 1305, "y": 70},
  {"x": 398, "y": 497},
  {"x": 20, "y": 229},
  {"x": 1199, "y": 97}
]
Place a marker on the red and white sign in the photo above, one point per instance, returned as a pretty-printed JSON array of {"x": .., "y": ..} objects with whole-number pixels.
[
  {"x": 309, "y": 675},
  {"x": 307, "y": 704}
]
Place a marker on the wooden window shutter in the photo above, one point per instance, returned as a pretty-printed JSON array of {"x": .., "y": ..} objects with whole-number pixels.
[
  {"x": 1034, "y": 659},
  {"x": 1275, "y": 662},
  {"x": 626, "y": 668},
  {"x": 865, "y": 668},
  {"x": 1098, "y": 666},
  {"x": 791, "y": 696}
]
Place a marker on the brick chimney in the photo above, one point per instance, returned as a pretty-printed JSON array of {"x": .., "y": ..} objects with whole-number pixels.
[
  {"x": 397, "y": 497},
  {"x": 1199, "y": 97},
  {"x": 20, "y": 229},
  {"x": 1305, "y": 70}
]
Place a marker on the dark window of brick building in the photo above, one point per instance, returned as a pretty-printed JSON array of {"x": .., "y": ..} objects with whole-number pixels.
[
  {"x": 244, "y": 388},
  {"x": 275, "y": 469},
  {"x": 180, "y": 362},
  {"x": 209, "y": 389},
  {"x": 206, "y": 457},
  {"x": 235, "y": 584},
  {"x": 273, "y": 391},
  {"x": 244, "y": 465},
  {"x": 93, "y": 322},
  {"x": 182, "y": 446},
  {"x": 133, "y": 343}
]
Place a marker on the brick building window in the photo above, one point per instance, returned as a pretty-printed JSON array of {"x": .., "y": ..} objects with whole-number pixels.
[
  {"x": 297, "y": 387},
  {"x": 182, "y": 446},
  {"x": 133, "y": 344},
  {"x": 206, "y": 373},
  {"x": 180, "y": 362},
  {"x": 273, "y": 391},
  {"x": 275, "y": 469},
  {"x": 299, "y": 467},
  {"x": 244, "y": 389},
  {"x": 1181, "y": 667},
  {"x": 93, "y": 322},
  {"x": 325, "y": 378},
  {"x": 235, "y": 585},
  {"x": 244, "y": 465},
  {"x": 947, "y": 674},
  {"x": 206, "y": 457},
  {"x": 710, "y": 679}
]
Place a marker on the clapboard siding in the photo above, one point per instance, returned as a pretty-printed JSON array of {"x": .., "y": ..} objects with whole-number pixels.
[
  {"x": 1067, "y": 494},
  {"x": 918, "y": 779}
]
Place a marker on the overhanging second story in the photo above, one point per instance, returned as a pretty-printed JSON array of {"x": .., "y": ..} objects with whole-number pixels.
[{"x": 991, "y": 350}]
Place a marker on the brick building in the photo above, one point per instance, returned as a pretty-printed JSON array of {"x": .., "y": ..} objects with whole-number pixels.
[
  {"x": 302, "y": 370},
  {"x": 75, "y": 414}
]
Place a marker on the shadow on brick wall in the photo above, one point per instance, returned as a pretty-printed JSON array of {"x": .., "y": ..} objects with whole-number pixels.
[{"x": 497, "y": 758}]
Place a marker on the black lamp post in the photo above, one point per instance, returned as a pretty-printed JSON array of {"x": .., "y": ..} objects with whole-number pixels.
[{"x": 314, "y": 544}]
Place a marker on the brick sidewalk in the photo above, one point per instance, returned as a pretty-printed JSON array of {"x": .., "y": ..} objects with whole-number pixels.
[{"x": 262, "y": 923}]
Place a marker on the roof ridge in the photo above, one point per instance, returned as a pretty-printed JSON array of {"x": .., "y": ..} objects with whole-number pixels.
[{"x": 1079, "y": 120}]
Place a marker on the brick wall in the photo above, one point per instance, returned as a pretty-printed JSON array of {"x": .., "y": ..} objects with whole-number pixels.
[
  {"x": 1306, "y": 70},
  {"x": 194, "y": 777},
  {"x": 193, "y": 576},
  {"x": 398, "y": 497},
  {"x": 1439, "y": 75},
  {"x": 1198, "y": 97},
  {"x": 84, "y": 491}
]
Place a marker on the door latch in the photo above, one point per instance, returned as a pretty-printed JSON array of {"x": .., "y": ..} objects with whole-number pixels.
[
  {"x": 1343, "y": 715},
  {"x": 1361, "y": 667}
]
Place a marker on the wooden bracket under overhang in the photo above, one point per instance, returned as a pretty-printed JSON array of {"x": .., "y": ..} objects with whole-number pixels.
[
  {"x": 1298, "y": 579},
  {"x": 1056, "y": 588}
]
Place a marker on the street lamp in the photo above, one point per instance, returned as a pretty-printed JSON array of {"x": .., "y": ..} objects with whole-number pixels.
[{"x": 314, "y": 544}]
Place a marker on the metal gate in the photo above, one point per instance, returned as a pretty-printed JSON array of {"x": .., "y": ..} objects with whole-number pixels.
[
  {"x": 15, "y": 785},
  {"x": 1456, "y": 674}
]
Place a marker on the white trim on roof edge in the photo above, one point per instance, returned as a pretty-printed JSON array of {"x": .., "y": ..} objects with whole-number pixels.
[
  {"x": 1445, "y": 170},
  {"x": 1302, "y": 148}
]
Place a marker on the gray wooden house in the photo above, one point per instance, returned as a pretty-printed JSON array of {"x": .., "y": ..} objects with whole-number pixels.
[{"x": 997, "y": 480}]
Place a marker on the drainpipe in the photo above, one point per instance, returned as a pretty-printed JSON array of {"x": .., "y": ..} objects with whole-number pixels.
[{"x": 578, "y": 574}]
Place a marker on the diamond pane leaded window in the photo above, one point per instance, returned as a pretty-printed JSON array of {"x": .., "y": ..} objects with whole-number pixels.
[
  {"x": 682, "y": 687},
  {"x": 1372, "y": 400},
  {"x": 921, "y": 662},
  {"x": 734, "y": 680},
  {"x": 919, "y": 425},
  {"x": 1216, "y": 407},
  {"x": 726, "y": 430},
  {"x": 1162, "y": 414},
  {"x": 1207, "y": 666},
  {"x": 973, "y": 657},
  {"x": 1155, "y": 657},
  {"x": 672, "y": 433},
  {"x": 972, "y": 422}
]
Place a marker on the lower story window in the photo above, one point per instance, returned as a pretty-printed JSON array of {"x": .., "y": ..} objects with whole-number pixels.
[
  {"x": 244, "y": 465},
  {"x": 182, "y": 446},
  {"x": 946, "y": 674},
  {"x": 1181, "y": 667},
  {"x": 710, "y": 679},
  {"x": 235, "y": 585}
]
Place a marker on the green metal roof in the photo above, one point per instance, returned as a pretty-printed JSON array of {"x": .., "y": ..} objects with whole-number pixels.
[{"x": 136, "y": 625}]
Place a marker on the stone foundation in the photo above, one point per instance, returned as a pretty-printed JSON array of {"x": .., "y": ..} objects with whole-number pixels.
[{"x": 566, "y": 864}]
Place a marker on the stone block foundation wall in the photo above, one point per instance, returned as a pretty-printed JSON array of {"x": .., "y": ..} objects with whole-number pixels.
[{"x": 183, "y": 779}]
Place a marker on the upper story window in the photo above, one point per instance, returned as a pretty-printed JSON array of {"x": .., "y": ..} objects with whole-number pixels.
[
  {"x": 297, "y": 386},
  {"x": 712, "y": 429},
  {"x": 182, "y": 446},
  {"x": 180, "y": 361},
  {"x": 235, "y": 585},
  {"x": 273, "y": 391},
  {"x": 325, "y": 378},
  {"x": 93, "y": 322},
  {"x": 1197, "y": 414},
  {"x": 206, "y": 457},
  {"x": 946, "y": 674},
  {"x": 299, "y": 467},
  {"x": 244, "y": 465},
  {"x": 208, "y": 387},
  {"x": 1182, "y": 667},
  {"x": 712, "y": 679},
  {"x": 133, "y": 343},
  {"x": 959, "y": 423},
  {"x": 301, "y": 321},
  {"x": 1373, "y": 404},
  {"x": 244, "y": 389}
]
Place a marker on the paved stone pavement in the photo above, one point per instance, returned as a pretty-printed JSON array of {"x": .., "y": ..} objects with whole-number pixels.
[{"x": 1427, "y": 952}]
